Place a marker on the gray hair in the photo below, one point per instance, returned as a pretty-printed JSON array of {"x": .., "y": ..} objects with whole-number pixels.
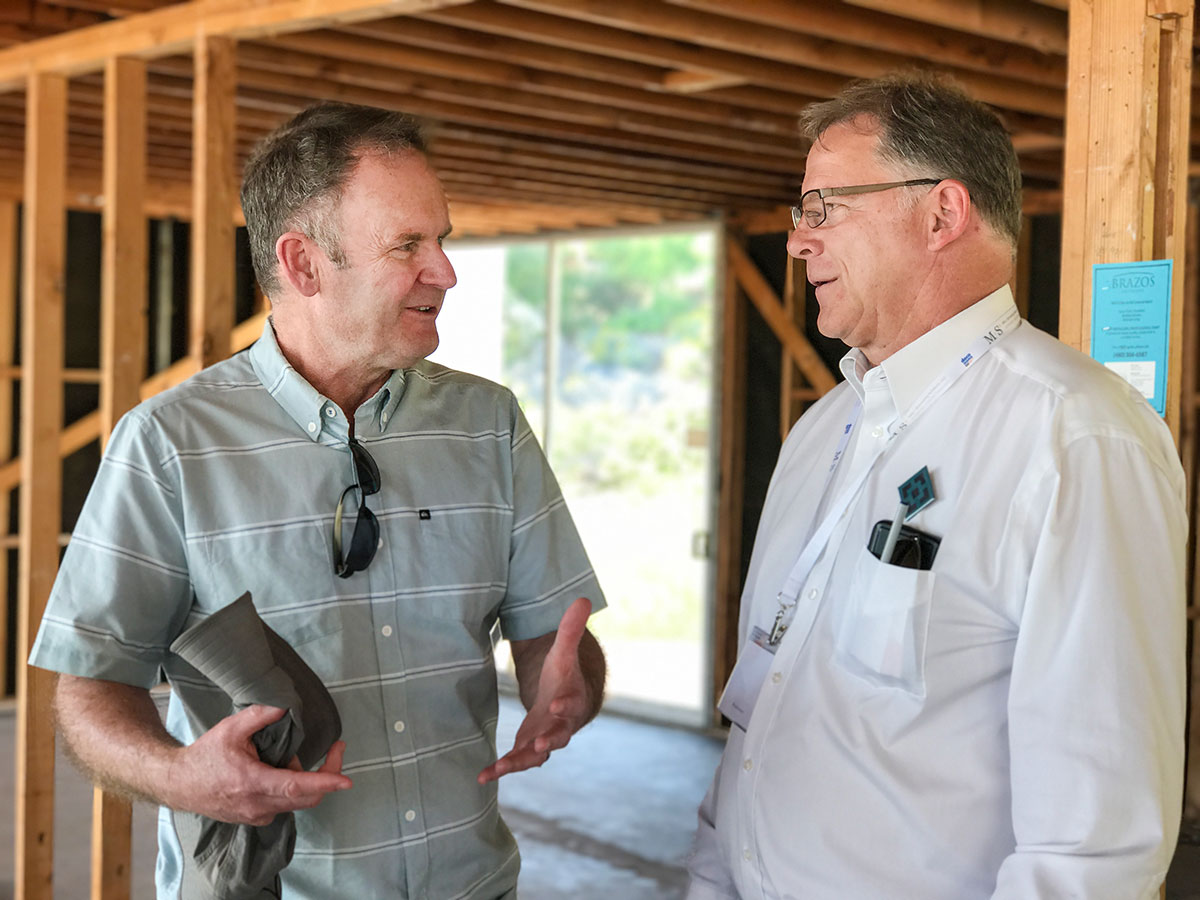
[
  {"x": 930, "y": 125},
  {"x": 295, "y": 176}
]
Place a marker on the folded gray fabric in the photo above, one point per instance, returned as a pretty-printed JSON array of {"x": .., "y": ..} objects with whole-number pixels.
[{"x": 252, "y": 664}]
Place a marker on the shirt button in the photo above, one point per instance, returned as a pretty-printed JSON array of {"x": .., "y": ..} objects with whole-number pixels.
[
  {"x": 329, "y": 411},
  {"x": 812, "y": 595},
  {"x": 877, "y": 431},
  {"x": 379, "y": 546},
  {"x": 398, "y": 727},
  {"x": 747, "y": 855},
  {"x": 312, "y": 426},
  {"x": 409, "y": 816},
  {"x": 777, "y": 677},
  {"x": 383, "y": 418},
  {"x": 386, "y": 630},
  {"x": 748, "y": 765}
]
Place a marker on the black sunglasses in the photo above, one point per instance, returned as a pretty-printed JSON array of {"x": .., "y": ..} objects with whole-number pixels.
[{"x": 365, "y": 539}]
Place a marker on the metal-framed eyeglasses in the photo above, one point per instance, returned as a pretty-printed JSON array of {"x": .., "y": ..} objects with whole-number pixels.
[
  {"x": 811, "y": 208},
  {"x": 357, "y": 555}
]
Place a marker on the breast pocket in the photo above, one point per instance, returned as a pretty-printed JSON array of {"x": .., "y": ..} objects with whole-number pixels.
[{"x": 882, "y": 632}]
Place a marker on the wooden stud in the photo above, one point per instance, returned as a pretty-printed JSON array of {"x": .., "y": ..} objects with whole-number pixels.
[
  {"x": 212, "y": 285},
  {"x": 1126, "y": 158},
  {"x": 8, "y": 319},
  {"x": 731, "y": 488},
  {"x": 1020, "y": 282},
  {"x": 44, "y": 238},
  {"x": 8, "y": 323},
  {"x": 1190, "y": 449},
  {"x": 123, "y": 272},
  {"x": 123, "y": 354}
]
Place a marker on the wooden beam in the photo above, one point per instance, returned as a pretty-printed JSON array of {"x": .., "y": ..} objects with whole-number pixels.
[
  {"x": 771, "y": 309},
  {"x": 123, "y": 285},
  {"x": 1125, "y": 179},
  {"x": 1042, "y": 29},
  {"x": 8, "y": 323},
  {"x": 44, "y": 274},
  {"x": 906, "y": 32},
  {"x": 173, "y": 29},
  {"x": 725, "y": 34},
  {"x": 212, "y": 292}
]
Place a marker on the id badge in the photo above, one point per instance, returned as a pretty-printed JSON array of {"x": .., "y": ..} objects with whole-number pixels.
[{"x": 737, "y": 702}]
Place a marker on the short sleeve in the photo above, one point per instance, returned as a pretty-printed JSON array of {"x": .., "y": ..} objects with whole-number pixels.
[
  {"x": 548, "y": 567},
  {"x": 123, "y": 591}
]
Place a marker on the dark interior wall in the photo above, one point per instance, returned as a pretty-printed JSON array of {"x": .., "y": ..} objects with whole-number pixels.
[{"x": 81, "y": 350}]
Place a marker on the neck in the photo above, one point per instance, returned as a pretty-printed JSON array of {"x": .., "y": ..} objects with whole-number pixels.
[
  {"x": 346, "y": 384},
  {"x": 951, "y": 284}
]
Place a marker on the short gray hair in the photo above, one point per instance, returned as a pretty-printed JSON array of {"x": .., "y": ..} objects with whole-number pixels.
[
  {"x": 295, "y": 176},
  {"x": 930, "y": 125}
]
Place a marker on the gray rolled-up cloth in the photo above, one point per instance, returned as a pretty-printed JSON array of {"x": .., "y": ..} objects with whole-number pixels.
[{"x": 252, "y": 664}]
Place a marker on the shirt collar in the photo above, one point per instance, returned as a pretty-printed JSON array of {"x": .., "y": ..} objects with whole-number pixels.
[
  {"x": 911, "y": 369},
  {"x": 310, "y": 409}
]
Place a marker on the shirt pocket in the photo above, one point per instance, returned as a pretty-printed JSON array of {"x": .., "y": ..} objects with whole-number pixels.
[{"x": 881, "y": 636}]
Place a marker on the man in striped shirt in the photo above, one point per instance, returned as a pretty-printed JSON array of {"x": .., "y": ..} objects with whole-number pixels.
[{"x": 385, "y": 513}]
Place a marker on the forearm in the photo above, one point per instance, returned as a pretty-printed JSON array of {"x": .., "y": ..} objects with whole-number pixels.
[
  {"x": 113, "y": 732},
  {"x": 529, "y": 656}
]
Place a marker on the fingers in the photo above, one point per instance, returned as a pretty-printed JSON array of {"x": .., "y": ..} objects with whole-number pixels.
[
  {"x": 513, "y": 761},
  {"x": 533, "y": 747},
  {"x": 333, "y": 759}
]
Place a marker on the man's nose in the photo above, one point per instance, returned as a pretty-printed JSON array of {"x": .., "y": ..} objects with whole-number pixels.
[
  {"x": 800, "y": 243},
  {"x": 440, "y": 272}
]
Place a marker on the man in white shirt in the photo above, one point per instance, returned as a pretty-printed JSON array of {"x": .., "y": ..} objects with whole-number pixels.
[{"x": 998, "y": 715}]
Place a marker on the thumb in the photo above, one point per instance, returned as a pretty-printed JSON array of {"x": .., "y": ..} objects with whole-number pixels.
[
  {"x": 246, "y": 722},
  {"x": 573, "y": 624}
]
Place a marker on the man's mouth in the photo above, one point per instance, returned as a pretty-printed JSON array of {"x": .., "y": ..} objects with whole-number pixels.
[{"x": 818, "y": 282}]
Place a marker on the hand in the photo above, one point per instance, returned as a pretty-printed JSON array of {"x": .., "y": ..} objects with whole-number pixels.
[
  {"x": 221, "y": 776},
  {"x": 561, "y": 706}
]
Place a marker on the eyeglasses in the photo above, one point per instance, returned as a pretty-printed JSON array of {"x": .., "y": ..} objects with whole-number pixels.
[
  {"x": 365, "y": 539},
  {"x": 812, "y": 211}
]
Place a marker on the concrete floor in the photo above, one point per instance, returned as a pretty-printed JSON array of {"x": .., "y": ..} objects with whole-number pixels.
[{"x": 580, "y": 836}]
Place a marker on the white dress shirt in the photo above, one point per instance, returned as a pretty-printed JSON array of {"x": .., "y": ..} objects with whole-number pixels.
[{"x": 1006, "y": 725}]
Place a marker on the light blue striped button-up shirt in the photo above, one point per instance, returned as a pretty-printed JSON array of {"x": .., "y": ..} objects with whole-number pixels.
[{"x": 228, "y": 483}]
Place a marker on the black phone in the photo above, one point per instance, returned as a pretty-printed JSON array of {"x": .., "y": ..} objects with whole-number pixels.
[{"x": 914, "y": 548}]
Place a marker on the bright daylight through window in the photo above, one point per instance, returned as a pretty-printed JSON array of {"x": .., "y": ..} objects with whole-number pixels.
[{"x": 608, "y": 344}]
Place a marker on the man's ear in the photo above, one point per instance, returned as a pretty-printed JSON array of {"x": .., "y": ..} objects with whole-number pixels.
[
  {"x": 949, "y": 212},
  {"x": 297, "y": 256}
]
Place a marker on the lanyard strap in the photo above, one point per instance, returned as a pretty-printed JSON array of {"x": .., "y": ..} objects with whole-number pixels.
[{"x": 799, "y": 573}]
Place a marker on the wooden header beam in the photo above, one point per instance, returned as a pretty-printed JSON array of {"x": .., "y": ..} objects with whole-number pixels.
[{"x": 173, "y": 30}]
